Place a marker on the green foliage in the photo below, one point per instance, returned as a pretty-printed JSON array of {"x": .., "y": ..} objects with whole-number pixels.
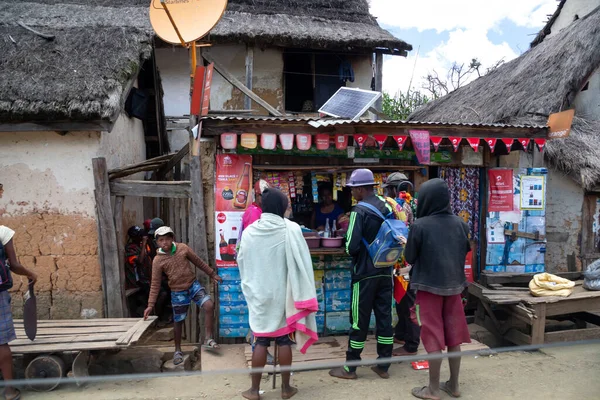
[{"x": 402, "y": 104}]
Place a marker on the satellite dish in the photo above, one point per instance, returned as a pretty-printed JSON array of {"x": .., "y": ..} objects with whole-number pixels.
[{"x": 193, "y": 18}]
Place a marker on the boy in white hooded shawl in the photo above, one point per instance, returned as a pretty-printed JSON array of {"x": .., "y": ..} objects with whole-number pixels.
[{"x": 279, "y": 287}]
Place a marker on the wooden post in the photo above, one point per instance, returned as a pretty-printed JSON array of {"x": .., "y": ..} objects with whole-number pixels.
[
  {"x": 249, "y": 72},
  {"x": 538, "y": 328},
  {"x": 379, "y": 79},
  {"x": 118, "y": 215},
  {"x": 114, "y": 289}
]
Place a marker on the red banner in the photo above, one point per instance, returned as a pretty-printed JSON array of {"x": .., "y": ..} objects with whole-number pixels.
[
  {"x": 322, "y": 140},
  {"x": 360, "y": 139},
  {"x": 401, "y": 141},
  {"x": 380, "y": 139},
  {"x": 455, "y": 142},
  {"x": 341, "y": 141},
  {"x": 197, "y": 89},
  {"x": 436, "y": 140},
  {"x": 500, "y": 190},
  {"x": 524, "y": 142},
  {"x": 540, "y": 143},
  {"x": 233, "y": 182},
  {"x": 508, "y": 143},
  {"x": 206, "y": 93},
  {"x": 474, "y": 143},
  {"x": 492, "y": 143},
  {"x": 420, "y": 142}
]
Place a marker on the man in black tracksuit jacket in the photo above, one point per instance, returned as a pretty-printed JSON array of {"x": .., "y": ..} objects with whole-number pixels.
[{"x": 372, "y": 288}]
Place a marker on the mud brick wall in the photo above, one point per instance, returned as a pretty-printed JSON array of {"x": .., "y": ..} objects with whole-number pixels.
[{"x": 63, "y": 251}]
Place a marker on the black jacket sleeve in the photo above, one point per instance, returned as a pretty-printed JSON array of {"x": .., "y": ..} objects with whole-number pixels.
[
  {"x": 354, "y": 235},
  {"x": 413, "y": 245}
]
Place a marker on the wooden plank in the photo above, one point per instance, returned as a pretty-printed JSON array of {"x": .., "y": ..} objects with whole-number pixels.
[
  {"x": 517, "y": 337},
  {"x": 118, "y": 213},
  {"x": 79, "y": 331},
  {"x": 508, "y": 278},
  {"x": 538, "y": 328},
  {"x": 99, "y": 325},
  {"x": 98, "y": 337},
  {"x": 126, "y": 337},
  {"x": 180, "y": 189},
  {"x": 94, "y": 321},
  {"x": 135, "y": 170},
  {"x": 51, "y": 348},
  {"x": 379, "y": 79},
  {"x": 587, "y": 231},
  {"x": 142, "y": 329},
  {"x": 114, "y": 288},
  {"x": 526, "y": 235},
  {"x": 249, "y": 71},
  {"x": 571, "y": 335},
  {"x": 175, "y": 159},
  {"x": 235, "y": 82}
]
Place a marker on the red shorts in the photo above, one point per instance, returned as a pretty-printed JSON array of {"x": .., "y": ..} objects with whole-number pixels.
[{"x": 442, "y": 321}]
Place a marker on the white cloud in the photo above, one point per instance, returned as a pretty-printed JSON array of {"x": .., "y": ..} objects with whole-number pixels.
[
  {"x": 467, "y": 23},
  {"x": 444, "y": 15}
]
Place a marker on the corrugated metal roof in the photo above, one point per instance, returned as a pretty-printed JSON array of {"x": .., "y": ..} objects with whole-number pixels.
[{"x": 317, "y": 122}]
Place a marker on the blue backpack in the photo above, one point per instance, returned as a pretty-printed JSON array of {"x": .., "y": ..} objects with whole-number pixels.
[
  {"x": 6, "y": 281},
  {"x": 386, "y": 249}
]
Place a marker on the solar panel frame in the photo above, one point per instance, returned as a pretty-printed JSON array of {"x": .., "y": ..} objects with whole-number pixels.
[{"x": 374, "y": 97}]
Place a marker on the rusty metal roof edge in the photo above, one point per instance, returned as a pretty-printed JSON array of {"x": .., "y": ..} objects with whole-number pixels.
[{"x": 319, "y": 122}]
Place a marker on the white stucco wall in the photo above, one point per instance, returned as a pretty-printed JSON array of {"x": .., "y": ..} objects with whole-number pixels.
[
  {"x": 49, "y": 201},
  {"x": 581, "y": 8},
  {"x": 563, "y": 220},
  {"x": 267, "y": 80}
]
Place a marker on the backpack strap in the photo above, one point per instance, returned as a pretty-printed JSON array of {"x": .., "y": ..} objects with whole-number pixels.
[{"x": 372, "y": 208}]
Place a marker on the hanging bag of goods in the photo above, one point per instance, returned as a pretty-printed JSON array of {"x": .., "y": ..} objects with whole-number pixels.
[{"x": 591, "y": 276}]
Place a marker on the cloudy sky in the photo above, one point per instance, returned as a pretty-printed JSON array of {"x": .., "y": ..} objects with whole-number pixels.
[{"x": 445, "y": 31}]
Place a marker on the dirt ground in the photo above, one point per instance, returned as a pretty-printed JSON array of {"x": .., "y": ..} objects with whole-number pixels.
[{"x": 559, "y": 373}]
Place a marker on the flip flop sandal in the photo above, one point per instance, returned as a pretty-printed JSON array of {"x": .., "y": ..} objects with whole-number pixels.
[
  {"x": 418, "y": 393},
  {"x": 445, "y": 387},
  {"x": 211, "y": 345},
  {"x": 17, "y": 395},
  {"x": 177, "y": 358}
]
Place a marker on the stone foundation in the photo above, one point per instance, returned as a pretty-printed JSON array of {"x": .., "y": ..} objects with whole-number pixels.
[{"x": 63, "y": 252}]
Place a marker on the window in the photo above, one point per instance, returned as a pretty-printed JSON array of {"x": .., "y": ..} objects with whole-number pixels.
[{"x": 310, "y": 79}]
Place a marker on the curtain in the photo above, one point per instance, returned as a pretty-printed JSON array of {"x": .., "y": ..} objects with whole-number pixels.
[{"x": 464, "y": 195}]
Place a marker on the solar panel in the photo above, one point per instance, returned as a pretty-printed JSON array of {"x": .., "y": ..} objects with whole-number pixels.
[{"x": 349, "y": 103}]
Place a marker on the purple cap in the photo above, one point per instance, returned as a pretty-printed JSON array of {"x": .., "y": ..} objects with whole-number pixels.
[{"x": 361, "y": 177}]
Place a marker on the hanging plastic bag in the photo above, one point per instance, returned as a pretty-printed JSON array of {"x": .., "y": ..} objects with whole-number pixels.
[
  {"x": 591, "y": 276},
  {"x": 550, "y": 285}
]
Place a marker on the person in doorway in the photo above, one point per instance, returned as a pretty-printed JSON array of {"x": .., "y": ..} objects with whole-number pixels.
[
  {"x": 437, "y": 246},
  {"x": 372, "y": 287},
  {"x": 251, "y": 215},
  {"x": 9, "y": 263},
  {"x": 407, "y": 332},
  {"x": 155, "y": 223},
  {"x": 283, "y": 306},
  {"x": 174, "y": 260},
  {"x": 326, "y": 210}
]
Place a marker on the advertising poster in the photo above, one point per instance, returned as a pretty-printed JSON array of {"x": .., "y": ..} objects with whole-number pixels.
[
  {"x": 421, "y": 145},
  {"x": 228, "y": 226},
  {"x": 500, "y": 190},
  {"x": 532, "y": 192},
  {"x": 233, "y": 182}
]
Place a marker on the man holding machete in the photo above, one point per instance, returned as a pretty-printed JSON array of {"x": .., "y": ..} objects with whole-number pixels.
[{"x": 8, "y": 263}]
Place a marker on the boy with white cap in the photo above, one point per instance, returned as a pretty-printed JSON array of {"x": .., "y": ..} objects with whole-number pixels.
[{"x": 173, "y": 259}]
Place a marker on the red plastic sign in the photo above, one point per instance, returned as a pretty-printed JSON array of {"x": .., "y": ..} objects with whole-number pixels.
[
  {"x": 436, "y": 140},
  {"x": 492, "y": 143},
  {"x": 524, "y": 142},
  {"x": 540, "y": 143},
  {"x": 422, "y": 146},
  {"x": 360, "y": 139},
  {"x": 501, "y": 190},
  {"x": 322, "y": 140},
  {"x": 380, "y": 139},
  {"x": 508, "y": 143},
  {"x": 474, "y": 143},
  {"x": 455, "y": 142},
  {"x": 400, "y": 141},
  {"x": 341, "y": 141}
]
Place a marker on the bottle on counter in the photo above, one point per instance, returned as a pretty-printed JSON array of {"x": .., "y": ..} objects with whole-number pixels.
[
  {"x": 333, "y": 230},
  {"x": 327, "y": 229}
]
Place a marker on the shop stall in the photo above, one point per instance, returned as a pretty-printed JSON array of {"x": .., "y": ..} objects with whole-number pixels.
[{"x": 310, "y": 160}]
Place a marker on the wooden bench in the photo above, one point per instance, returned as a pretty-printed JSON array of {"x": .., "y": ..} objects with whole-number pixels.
[
  {"x": 521, "y": 306},
  {"x": 57, "y": 338}
]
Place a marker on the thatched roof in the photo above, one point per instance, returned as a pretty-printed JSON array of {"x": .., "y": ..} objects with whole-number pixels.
[
  {"x": 316, "y": 24},
  {"x": 547, "y": 29},
  {"x": 81, "y": 75},
  {"x": 542, "y": 81}
]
